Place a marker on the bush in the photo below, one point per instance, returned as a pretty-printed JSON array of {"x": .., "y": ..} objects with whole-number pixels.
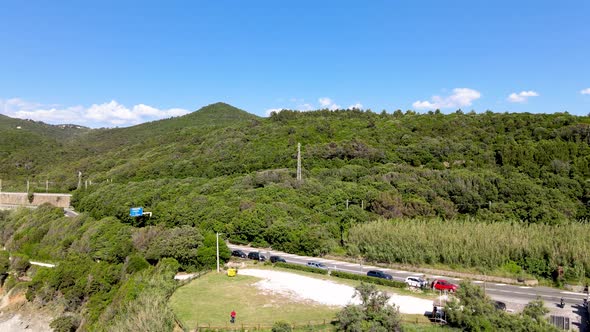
[
  {"x": 135, "y": 263},
  {"x": 372, "y": 280},
  {"x": 281, "y": 326},
  {"x": 4, "y": 261},
  {"x": 20, "y": 263},
  {"x": 302, "y": 268},
  {"x": 65, "y": 324}
]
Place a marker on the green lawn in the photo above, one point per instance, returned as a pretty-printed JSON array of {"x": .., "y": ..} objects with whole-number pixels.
[{"x": 211, "y": 298}]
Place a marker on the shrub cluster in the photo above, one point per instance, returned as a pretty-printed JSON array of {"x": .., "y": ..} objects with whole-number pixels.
[
  {"x": 301, "y": 268},
  {"x": 372, "y": 280}
]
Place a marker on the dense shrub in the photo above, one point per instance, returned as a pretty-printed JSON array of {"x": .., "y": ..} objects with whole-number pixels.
[
  {"x": 4, "y": 261},
  {"x": 64, "y": 323},
  {"x": 365, "y": 278},
  {"x": 301, "y": 268},
  {"x": 536, "y": 248},
  {"x": 281, "y": 326},
  {"x": 20, "y": 263}
]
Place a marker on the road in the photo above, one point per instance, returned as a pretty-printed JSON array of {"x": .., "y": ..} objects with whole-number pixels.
[{"x": 514, "y": 294}]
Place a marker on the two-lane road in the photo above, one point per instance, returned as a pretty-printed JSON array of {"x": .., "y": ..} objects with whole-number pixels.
[{"x": 498, "y": 291}]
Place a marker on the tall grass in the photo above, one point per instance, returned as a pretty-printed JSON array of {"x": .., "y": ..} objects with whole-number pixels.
[{"x": 537, "y": 248}]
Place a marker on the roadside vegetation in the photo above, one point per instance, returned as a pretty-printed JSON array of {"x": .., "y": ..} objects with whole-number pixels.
[
  {"x": 510, "y": 247},
  {"x": 109, "y": 276},
  {"x": 472, "y": 310}
]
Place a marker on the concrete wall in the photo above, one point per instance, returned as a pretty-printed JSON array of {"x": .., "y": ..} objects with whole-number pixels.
[{"x": 59, "y": 200}]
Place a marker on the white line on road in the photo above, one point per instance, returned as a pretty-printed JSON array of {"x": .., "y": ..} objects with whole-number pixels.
[
  {"x": 477, "y": 282},
  {"x": 500, "y": 284},
  {"x": 573, "y": 293}
]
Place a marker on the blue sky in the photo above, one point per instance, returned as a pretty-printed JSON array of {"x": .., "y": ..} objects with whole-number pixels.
[{"x": 118, "y": 63}]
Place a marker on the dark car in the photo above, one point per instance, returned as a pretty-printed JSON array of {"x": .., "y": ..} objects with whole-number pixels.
[
  {"x": 500, "y": 305},
  {"x": 277, "y": 259},
  {"x": 379, "y": 274},
  {"x": 238, "y": 253},
  {"x": 256, "y": 256}
]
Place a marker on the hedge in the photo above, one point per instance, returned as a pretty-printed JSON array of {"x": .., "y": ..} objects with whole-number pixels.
[
  {"x": 302, "y": 268},
  {"x": 373, "y": 280}
]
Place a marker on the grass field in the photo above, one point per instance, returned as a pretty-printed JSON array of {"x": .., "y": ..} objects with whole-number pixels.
[
  {"x": 211, "y": 298},
  {"x": 207, "y": 301}
]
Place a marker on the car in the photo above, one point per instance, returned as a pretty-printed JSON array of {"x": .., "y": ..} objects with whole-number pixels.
[
  {"x": 379, "y": 274},
  {"x": 443, "y": 285},
  {"x": 277, "y": 259},
  {"x": 500, "y": 305},
  {"x": 317, "y": 265},
  {"x": 239, "y": 253},
  {"x": 417, "y": 282},
  {"x": 255, "y": 255}
]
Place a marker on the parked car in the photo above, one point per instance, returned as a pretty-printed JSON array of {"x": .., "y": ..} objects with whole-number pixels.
[
  {"x": 379, "y": 274},
  {"x": 256, "y": 256},
  {"x": 417, "y": 282},
  {"x": 276, "y": 259},
  {"x": 441, "y": 284},
  {"x": 317, "y": 265},
  {"x": 238, "y": 253}
]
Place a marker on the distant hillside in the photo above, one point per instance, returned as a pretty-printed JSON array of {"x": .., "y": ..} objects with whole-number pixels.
[{"x": 28, "y": 147}]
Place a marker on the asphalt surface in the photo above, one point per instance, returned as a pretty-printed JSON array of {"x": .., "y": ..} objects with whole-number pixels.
[{"x": 497, "y": 291}]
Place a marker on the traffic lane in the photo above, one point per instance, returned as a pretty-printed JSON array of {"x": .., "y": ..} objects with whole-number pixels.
[{"x": 523, "y": 293}]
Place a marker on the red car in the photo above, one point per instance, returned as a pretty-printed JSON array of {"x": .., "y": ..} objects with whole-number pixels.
[{"x": 441, "y": 284}]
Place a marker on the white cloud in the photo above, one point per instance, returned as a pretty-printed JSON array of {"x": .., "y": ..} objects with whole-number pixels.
[
  {"x": 522, "y": 96},
  {"x": 461, "y": 97},
  {"x": 585, "y": 91},
  {"x": 357, "y": 106},
  {"x": 97, "y": 115},
  {"x": 328, "y": 103},
  {"x": 271, "y": 110},
  {"x": 305, "y": 107}
]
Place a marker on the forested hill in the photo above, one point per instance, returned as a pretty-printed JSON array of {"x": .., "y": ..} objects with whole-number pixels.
[
  {"x": 528, "y": 167},
  {"x": 487, "y": 176}
]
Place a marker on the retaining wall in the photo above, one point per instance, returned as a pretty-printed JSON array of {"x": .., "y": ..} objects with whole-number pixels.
[{"x": 59, "y": 200}]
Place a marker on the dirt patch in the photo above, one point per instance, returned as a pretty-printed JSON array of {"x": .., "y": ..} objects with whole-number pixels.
[{"x": 301, "y": 288}]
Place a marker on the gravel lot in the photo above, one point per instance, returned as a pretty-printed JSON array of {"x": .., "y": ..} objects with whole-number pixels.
[{"x": 301, "y": 288}]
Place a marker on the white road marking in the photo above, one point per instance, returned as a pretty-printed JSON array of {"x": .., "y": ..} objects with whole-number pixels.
[
  {"x": 524, "y": 287},
  {"x": 500, "y": 284},
  {"x": 477, "y": 282}
]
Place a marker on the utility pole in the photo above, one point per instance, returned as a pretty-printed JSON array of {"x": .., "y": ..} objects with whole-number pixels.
[
  {"x": 347, "y": 203},
  {"x": 47, "y": 185},
  {"x": 299, "y": 162},
  {"x": 0, "y": 185},
  {"x": 79, "y": 179},
  {"x": 27, "y": 185}
]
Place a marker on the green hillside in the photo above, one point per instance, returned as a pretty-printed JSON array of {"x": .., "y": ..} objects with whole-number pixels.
[
  {"x": 501, "y": 194},
  {"x": 222, "y": 169}
]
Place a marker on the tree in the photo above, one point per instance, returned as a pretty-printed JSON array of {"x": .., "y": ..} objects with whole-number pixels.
[
  {"x": 472, "y": 310},
  {"x": 373, "y": 314}
]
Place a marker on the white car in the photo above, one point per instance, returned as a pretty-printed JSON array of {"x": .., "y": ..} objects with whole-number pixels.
[{"x": 418, "y": 282}]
